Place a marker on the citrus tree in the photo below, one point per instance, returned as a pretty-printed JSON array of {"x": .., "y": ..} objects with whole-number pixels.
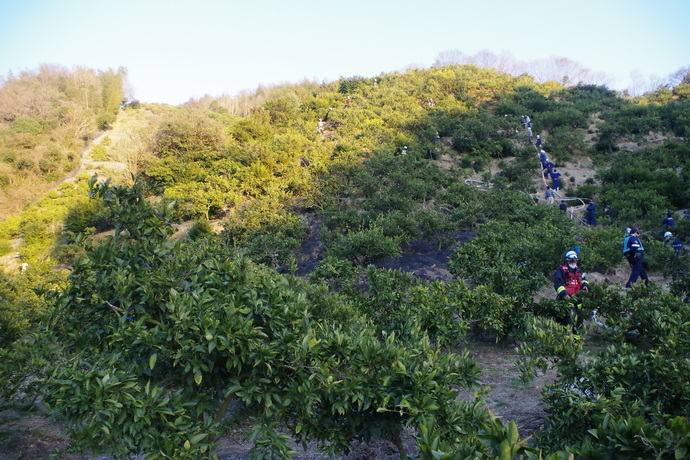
[{"x": 153, "y": 346}]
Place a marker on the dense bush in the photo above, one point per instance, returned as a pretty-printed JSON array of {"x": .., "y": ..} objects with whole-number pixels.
[
  {"x": 365, "y": 246},
  {"x": 633, "y": 119},
  {"x": 631, "y": 392},
  {"x": 88, "y": 214},
  {"x": 565, "y": 117},
  {"x": 174, "y": 331},
  {"x": 20, "y": 308},
  {"x": 482, "y": 134},
  {"x": 200, "y": 230}
]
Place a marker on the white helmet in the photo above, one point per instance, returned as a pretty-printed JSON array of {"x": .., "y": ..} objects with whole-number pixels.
[
  {"x": 668, "y": 235},
  {"x": 571, "y": 256}
]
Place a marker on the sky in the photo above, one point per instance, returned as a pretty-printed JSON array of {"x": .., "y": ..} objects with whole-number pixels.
[{"x": 175, "y": 50}]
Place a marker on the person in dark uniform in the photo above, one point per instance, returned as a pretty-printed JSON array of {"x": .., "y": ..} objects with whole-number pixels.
[{"x": 634, "y": 252}]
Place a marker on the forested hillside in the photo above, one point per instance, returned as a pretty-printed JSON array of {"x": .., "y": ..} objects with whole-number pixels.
[
  {"x": 274, "y": 305},
  {"x": 46, "y": 117}
]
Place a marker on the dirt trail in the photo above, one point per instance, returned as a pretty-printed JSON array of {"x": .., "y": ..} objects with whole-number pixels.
[{"x": 115, "y": 141}]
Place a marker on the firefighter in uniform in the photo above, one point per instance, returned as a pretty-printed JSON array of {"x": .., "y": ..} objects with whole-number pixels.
[{"x": 568, "y": 280}]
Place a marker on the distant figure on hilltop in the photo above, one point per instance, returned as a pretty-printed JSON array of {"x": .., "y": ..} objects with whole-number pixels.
[
  {"x": 538, "y": 141},
  {"x": 549, "y": 194},
  {"x": 319, "y": 126}
]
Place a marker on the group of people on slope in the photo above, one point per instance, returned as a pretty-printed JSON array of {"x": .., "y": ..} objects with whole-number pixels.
[
  {"x": 569, "y": 279},
  {"x": 548, "y": 170}
]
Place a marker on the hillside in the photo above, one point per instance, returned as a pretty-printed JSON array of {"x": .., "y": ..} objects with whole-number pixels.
[
  {"x": 47, "y": 117},
  {"x": 348, "y": 262}
]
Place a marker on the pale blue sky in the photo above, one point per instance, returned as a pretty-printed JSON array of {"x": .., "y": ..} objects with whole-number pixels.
[{"x": 177, "y": 49}]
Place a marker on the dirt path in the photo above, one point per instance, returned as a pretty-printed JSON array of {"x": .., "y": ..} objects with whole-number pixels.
[
  {"x": 115, "y": 166},
  {"x": 124, "y": 142}
]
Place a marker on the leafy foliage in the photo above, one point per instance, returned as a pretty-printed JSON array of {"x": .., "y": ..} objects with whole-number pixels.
[
  {"x": 158, "y": 344},
  {"x": 151, "y": 363},
  {"x": 46, "y": 118}
]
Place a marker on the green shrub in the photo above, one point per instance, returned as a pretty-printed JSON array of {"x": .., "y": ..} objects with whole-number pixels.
[
  {"x": 510, "y": 258},
  {"x": 25, "y": 164},
  {"x": 546, "y": 343},
  {"x": 399, "y": 225},
  {"x": 27, "y": 126},
  {"x": 20, "y": 307},
  {"x": 532, "y": 101},
  {"x": 602, "y": 247},
  {"x": 104, "y": 121},
  {"x": 140, "y": 313},
  {"x": 644, "y": 388},
  {"x": 674, "y": 116},
  {"x": 518, "y": 174},
  {"x": 435, "y": 226},
  {"x": 587, "y": 190},
  {"x": 635, "y": 204},
  {"x": 200, "y": 230},
  {"x": 564, "y": 142},
  {"x": 482, "y": 137},
  {"x": 8, "y": 156},
  {"x": 634, "y": 120},
  {"x": 52, "y": 176},
  {"x": 606, "y": 141},
  {"x": 5, "y": 247},
  {"x": 365, "y": 246},
  {"x": 565, "y": 117},
  {"x": 263, "y": 217},
  {"x": 335, "y": 273},
  {"x": 100, "y": 153},
  {"x": 276, "y": 251},
  {"x": 88, "y": 214}
]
